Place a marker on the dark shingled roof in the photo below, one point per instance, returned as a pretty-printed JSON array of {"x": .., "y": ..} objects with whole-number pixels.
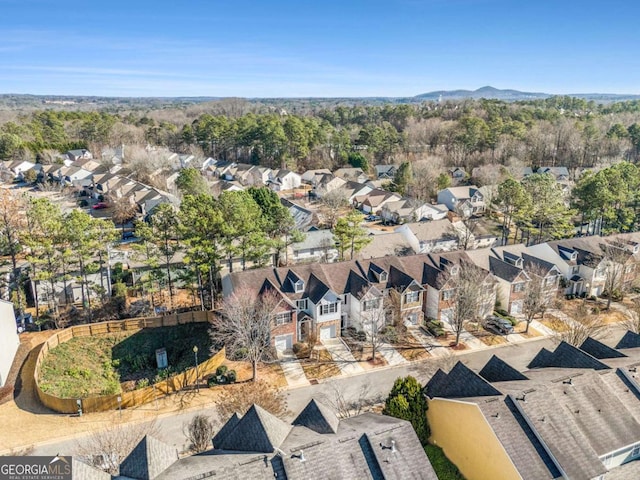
[
  {"x": 318, "y": 418},
  {"x": 629, "y": 340},
  {"x": 460, "y": 382},
  {"x": 148, "y": 459},
  {"x": 541, "y": 360},
  {"x": 504, "y": 270},
  {"x": 566, "y": 356},
  {"x": 257, "y": 431},
  {"x": 435, "y": 383},
  {"x": 599, "y": 350},
  {"x": 497, "y": 370},
  {"x": 226, "y": 429}
]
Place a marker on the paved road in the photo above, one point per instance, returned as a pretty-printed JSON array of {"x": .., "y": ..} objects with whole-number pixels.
[{"x": 379, "y": 383}]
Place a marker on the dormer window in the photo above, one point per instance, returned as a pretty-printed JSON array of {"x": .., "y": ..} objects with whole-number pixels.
[
  {"x": 382, "y": 276},
  {"x": 519, "y": 263},
  {"x": 298, "y": 286},
  {"x": 574, "y": 256},
  {"x": 454, "y": 269}
]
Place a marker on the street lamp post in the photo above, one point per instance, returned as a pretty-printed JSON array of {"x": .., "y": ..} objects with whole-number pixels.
[{"x": 195, "y": 352}]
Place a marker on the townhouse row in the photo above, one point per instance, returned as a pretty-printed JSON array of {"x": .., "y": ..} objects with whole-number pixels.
[{"x": 323, "y": 299}]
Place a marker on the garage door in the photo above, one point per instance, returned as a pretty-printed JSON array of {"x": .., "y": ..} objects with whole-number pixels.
[
  {"x": 284, "y": 342},
  {"x": 516, "y": 307},
  {"x": 327, "y": 332}
]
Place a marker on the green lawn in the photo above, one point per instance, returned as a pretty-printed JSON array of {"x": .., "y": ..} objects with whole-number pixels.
[
  {"x": 445, "y": 470},
  {"x": 86, "y": 366}
]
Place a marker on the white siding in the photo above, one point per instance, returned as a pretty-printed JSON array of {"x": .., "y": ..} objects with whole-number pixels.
[{"x": 9, "y": 340}]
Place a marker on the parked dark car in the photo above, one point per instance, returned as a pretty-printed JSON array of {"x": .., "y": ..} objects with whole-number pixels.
[
  {"x": 498, "y": 324},
  {"x": 128, "y": 235}
]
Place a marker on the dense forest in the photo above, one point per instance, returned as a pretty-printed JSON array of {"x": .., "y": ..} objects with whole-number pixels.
[{"x": 565, "y": 131}]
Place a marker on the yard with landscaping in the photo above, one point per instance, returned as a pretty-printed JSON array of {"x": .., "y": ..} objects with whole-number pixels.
[
  {"x": 123, "y": 361},
  {"x": 318, "y": 364}
]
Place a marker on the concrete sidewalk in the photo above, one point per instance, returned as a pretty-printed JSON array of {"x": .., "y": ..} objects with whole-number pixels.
[
  {"x": 342, "y": 356},
  {"x": 391, "y": 355},
  {"x": 467, "y": 338},
  {"x": 292, "y": 370}
]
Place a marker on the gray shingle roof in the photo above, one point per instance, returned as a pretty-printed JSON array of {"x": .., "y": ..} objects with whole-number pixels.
[
  {"x": 599, "y": 350},
  {"x": 566, "y": 356},
  {"x": 560, "y": 434},
  {"x": 460, "y": 382},
  {"x": 362, "y": 448},
  {"x": 629, "y": 340},
  {"x": 82, "y": 471},
  {"x": 518, "y": 439},
  {"x": 257, "y": 431},
  {"x": 148, "y": 459},
  {"x": 497, "y": 370},
  {"x": 318, "y": 417}
]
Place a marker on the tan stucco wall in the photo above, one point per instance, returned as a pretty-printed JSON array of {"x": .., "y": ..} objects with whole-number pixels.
[{"x": 460, "y": 429}]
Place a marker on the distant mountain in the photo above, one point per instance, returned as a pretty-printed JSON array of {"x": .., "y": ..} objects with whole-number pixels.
[
  {"x": 484, "y": 92},
  {"x": 514, "y": 95}
]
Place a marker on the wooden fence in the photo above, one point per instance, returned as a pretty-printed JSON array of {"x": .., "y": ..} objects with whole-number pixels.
[{"x": 135, "y": 397}]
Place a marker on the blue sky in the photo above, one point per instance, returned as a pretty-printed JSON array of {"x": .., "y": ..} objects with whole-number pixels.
[{"x": 277, "y": 48}]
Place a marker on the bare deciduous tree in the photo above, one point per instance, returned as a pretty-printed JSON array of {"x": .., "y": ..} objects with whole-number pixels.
[
  {"x": 615, "y": 259},
  {"x": 472, "y": 297},
  {"x": 13, "y": 223},
  {"x": 374, "y": 316},
  {"x": 107, "y": 447},
  {"x": 334, "y": 201},
  {"x": 465, "y": 232},
  {"x": 537, "y": 298},
  {"x": 199, "y": 431},
  {"x": 350, "y": 405},
  {"x": 632, "y": 322},
  {"x": 244, "y": 325},
  {"x": 239, "y": 398},
  {"x": 584, "y": 324}
]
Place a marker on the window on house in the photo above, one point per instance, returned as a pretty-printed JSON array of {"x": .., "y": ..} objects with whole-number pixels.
[
  {"x": 372, "y": 304},
  {"x": 550, "y": 281},
  {"x": 299, "y": 286},
  {"x": 383, "y": 276},
  {"x": 411, "y": 297},
  {"x": 301, "y": 304},
  {"x": 447, "y": 294},
  {"x": 575, "y": 269},
  {"x": 518, "y": 287},
  {"x": 283, "y": 317},
  {"x": 328, "y": 308}
]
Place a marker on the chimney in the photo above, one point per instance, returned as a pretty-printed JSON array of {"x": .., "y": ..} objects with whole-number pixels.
[
  {"x": 393, "y": 446},
  {"x": 301, "y": 457}
]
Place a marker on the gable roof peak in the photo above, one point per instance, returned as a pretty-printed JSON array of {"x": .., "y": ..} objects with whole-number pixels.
[{"x": 318, "y": 417}]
